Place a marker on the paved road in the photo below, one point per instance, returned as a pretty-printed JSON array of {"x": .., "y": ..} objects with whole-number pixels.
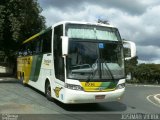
[{"x": 26, "y": 101}]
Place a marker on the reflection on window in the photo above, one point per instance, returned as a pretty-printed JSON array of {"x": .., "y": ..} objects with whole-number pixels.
[
  {"x": 99, "y": 60},
  {"x": 92, "y": 32}
]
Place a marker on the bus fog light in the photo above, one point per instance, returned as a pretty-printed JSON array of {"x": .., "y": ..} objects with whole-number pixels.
[
  {"x": 73, "y": 87},
  {"x": 120, "y": 86}
]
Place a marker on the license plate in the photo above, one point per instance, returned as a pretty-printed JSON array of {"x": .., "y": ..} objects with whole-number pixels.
[{"x": 99, "y": 97}]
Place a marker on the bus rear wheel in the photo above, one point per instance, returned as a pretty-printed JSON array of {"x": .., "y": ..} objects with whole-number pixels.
[
  {"x": 48, "y": 91},
  {"x": 22, "y": 79}
]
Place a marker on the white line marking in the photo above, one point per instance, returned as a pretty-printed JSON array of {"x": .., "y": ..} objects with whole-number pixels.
[
  {"x": 157, "y": 98},
  {"x": 151, "y": 101},
  {"x": 1, "y": 79}
]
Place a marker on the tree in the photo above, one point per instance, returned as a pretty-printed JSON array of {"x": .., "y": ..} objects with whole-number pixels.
[
  {"x": 2, "y": 18},
  {"x": 148, "y": 73},
  {"x": 130, "y": 66},
  {"x": 19, "y": 20},
  {"x": 103, "y": 21}
]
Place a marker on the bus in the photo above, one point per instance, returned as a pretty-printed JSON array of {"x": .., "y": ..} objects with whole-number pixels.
[{"x": 75, "y": 62}]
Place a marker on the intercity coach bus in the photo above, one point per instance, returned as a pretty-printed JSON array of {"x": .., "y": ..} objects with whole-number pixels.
[{"x": 75, "y": 62}]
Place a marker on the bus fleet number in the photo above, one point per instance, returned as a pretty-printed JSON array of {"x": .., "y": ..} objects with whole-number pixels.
[{"x": 89, "y": 84}]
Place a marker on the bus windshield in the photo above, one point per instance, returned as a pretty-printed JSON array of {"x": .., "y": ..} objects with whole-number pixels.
[
  {"x": 95, "y": 53},
  {"x": 96, "y": 60}
]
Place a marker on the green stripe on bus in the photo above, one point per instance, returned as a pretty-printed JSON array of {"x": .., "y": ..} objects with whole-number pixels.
[
  {"x": 36, "y": 65},
  {"x": 109, "y": 85}
]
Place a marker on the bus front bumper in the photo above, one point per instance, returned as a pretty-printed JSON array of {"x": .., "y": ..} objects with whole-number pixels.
[{"x": 74, "y": 96}]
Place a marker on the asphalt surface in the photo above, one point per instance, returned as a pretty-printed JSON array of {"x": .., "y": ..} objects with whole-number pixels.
[{"x": 28, "y": 103}]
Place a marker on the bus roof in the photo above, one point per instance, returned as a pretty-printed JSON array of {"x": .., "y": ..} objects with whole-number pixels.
[
  {"x": 80, "y": 22},
  {"x": 65, "y": 22}
]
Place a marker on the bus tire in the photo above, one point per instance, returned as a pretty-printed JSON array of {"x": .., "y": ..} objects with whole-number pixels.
[
  {"x": 48, "y": 90},
  {"x": 22, "y": 80}
]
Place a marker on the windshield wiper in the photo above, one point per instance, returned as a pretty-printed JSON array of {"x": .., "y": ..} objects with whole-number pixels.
[
  {"x": 91, "y": 76},
  {"x": 109, "y": 70}
]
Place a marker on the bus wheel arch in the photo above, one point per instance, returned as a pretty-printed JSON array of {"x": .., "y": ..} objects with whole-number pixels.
[{"x": 48, "y": 89}]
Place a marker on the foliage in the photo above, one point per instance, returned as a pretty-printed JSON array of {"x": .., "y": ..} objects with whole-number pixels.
[
  {"x": 19, "y": 19},
  {"x": 143, "y": 73},
  {"x": 103, "y": 21},
  {"x": 147, "y": 73},
  {"x": 130, "y": 66}
]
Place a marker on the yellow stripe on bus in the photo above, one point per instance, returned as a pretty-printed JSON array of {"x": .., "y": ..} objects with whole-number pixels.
[
  {"x": 98, "y": 86},
  {"x": 34, "y": 36}
]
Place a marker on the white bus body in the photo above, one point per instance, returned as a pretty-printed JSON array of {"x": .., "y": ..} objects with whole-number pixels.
[{"x": 75, "y": 62}]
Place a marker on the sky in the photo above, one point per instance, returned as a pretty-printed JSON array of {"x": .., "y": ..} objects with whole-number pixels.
[{"x": 137, "y": 20}]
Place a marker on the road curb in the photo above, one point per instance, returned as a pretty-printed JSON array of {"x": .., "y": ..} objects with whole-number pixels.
[
  {"x": 157, "y": 98},
  {"x": 139, "y": 85}
]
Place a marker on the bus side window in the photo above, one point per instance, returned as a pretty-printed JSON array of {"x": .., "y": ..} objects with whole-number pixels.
[
  {"x": 58, "y": 59},
  {"x": 29, "y": 48},
  {"x": 21, "y": 50},
  {"x": 36, "y": 46},
  {"x": 47, "y": 42},
  {"x": 25, "y": 50}
]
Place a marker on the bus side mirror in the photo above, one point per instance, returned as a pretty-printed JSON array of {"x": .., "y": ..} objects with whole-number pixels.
[
  {"x": 65, "y": 42},
  {"x": 130, "y": 52}
]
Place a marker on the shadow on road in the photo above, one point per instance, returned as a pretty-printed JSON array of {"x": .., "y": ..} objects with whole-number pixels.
[
  {"x": 77, "y": 108},
  {"x": 89, "y": 107},
  {"x": 93, "y": 107}
]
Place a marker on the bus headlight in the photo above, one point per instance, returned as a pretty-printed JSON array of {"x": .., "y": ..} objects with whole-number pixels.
[
  {"x": 73, "y": 87},
  {"x": 120, "y": 86}
]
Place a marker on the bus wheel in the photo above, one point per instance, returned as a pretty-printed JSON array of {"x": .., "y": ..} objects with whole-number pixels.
[
  {"x": 22, "y": 79},
  {"x": 48, "y": 91}
]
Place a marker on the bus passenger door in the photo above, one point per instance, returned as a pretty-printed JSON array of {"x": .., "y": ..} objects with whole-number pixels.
[{"x": 58, "y": 63}]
